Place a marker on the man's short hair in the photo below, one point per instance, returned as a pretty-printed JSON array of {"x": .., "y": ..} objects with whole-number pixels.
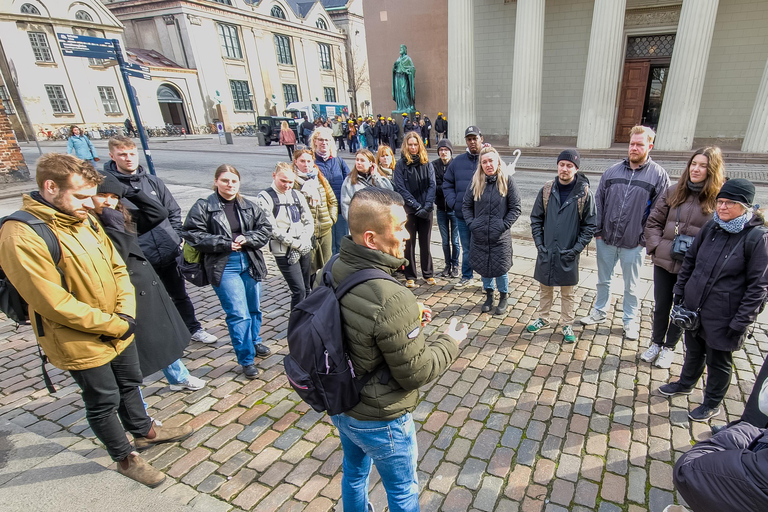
[
  {"x": 284, "y": 168},
  {"x": 58, "y": 168},
  {"x": 649, "y": 134},
  {"x": 121, "y": 141},
  {"x": 370, "y": 208}
]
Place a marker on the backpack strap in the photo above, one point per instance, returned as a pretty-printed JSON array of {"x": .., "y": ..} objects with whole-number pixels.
[
  {"x": 546, "y": 193},
  {"x": 275, "y": 201}
]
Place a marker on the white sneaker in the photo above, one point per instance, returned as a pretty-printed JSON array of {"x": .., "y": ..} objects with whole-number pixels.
[
  {"x": 631, "y": 332},
  {"x": 649, "y": 355},
  {"x": 594, "y": 318},
  {"x": 464, "y": 282},
  {"x": 192, "y": 384},
  {"x": 203, "y": 336},
  {"x": 665, "y": 358}
]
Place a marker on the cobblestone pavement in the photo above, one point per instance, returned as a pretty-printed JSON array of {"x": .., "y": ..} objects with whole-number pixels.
[{"x": 519, "y": 422}]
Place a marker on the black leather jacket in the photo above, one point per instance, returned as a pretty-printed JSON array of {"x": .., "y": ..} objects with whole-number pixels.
[{"x": 207, "y": 230}]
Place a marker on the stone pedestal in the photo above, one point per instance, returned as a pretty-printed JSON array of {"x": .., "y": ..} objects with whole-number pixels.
[
  {"x": 601, "y": 83},
  {"x": 682, "y": 95},
  {"x": 525, "y": 114},
  {"x": 756, "y": 139},
  {"x": 461, "y": 69}
]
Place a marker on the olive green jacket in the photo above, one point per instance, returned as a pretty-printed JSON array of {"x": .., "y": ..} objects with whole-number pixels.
[{"x": 382, "y": 325}]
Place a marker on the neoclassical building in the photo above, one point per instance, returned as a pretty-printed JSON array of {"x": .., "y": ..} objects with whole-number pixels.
[{"x": 583, "y": 72}]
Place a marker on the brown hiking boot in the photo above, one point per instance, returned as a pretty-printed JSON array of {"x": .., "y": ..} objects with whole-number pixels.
[
  {"x": 163, "y": 435},
  {"x": 138, "y": 469}
]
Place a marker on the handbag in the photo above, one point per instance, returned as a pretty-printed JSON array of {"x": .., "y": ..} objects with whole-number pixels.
[
  {"x": 691, "y": 320},
  {"x": 190, "y": 264},
  {"x": 680, "y": 243}
]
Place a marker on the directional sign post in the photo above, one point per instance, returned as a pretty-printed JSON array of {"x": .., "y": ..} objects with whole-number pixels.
[{"x": 73, "y": 45}]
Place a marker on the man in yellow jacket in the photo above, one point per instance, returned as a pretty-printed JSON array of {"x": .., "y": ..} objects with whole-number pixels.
[{"x": 87, "y": 312}]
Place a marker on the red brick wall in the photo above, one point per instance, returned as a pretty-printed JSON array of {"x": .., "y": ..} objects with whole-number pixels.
[{"x": 12, "y": 164}]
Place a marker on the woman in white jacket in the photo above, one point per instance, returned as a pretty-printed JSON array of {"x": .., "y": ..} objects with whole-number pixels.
[{"x": 365, "y": 174}]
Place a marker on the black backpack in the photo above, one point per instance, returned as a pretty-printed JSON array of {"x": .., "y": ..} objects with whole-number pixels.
[
  {"x": 11, "y": 303},
  {"x": 317, "y": 365}
]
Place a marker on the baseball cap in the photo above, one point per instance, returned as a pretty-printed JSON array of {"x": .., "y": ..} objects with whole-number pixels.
[{"x": 472, "y": 130}]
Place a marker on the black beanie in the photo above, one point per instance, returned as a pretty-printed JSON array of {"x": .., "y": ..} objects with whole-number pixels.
[
  {"x": 111, "y": 185},
  {"x": 572, "y": 156},
  {"x": 445, "y": 143},
  {"x": 738, "y": 189}
]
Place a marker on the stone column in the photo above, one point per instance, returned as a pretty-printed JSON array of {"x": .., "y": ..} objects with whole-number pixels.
[
  {"x": 525, "y": 112},
  {"x": 682, "y": 95},
  {"x": 756, "y": 139},
  {"x": 461, "y": 69},
  {"x": 601, "y": 83}
]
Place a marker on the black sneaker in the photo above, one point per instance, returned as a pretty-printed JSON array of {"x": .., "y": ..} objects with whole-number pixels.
[
  {"x": 446, "y": 272},
  {"x": 250, "y": 371},
  {"x": 262, "y": 350},
  {"x": 455, "y": 272},
  {"x": 674, "y": 388},
  {"x": 703, "y": 413}
]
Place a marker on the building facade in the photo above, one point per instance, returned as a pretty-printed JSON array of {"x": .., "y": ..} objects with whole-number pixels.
[{"x": 583, "y": 72}]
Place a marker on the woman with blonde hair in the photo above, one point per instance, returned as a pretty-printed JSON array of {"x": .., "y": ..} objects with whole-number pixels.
[
  {"x": 681, "y": 211},
  {"x": 364, "y": 174},
  {"x": 322, "y": 203},
  {"x": 385, "y": 158},
  {"x": 415, "y": 181},
  {"x": 287, "y": 138},
  {"x": 335, "y": 171},
  {"x": 491, "y": 205}
]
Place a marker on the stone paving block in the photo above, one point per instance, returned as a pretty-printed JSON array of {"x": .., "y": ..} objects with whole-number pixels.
[
  {"x": 568, "y": 467},
  {"x": 511, "y": 437},
  {"x": 443, "y": 479},
  {"x": 526, "y": 453},
  {"x": 551, "y": 447},
  {"x": 637, "y": 480},
  {"x": 613, "y": 488},
  {"x": 661, "y": 475},
  {"x": 458, "y": 500},
  {"x": 444, "y": 439},
  {"x": 488, "y": 494},
  {"x": 458, "y": 450},
  {"x": 199, "y": 473},
  {"x": 485, "y": 444},
  {"x": 617, "y": 461},
  {"x": 658, "y": 500},
  {"x": 501, "y": 462},
  {"x": 255, "y": 429},
  {"x": 586, "y": 493},
  {"x": 235, "y": 463},
  {"x": 471, "y": 473},
  {"x": 276, "y": 498},
  {"x": 210, "y": 484},
  {"x": 545, "y": 471},
  {"x": 517, "y": 483},
  {"x": 309, "y": 490}
]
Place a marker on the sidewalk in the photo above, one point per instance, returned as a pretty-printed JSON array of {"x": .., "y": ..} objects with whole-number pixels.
[{"x": 520, "y": 422}]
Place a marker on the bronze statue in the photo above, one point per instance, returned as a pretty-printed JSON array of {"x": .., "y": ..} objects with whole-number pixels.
[{"x": 403, "y": 74}]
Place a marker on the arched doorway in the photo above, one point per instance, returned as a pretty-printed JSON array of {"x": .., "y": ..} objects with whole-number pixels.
[{"x": 172, "y": 106}]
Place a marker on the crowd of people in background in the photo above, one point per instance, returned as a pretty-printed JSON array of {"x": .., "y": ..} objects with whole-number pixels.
[{"x": 707, "y": 240}]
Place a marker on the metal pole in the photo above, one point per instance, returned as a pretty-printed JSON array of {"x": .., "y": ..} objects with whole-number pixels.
[{"x": 134, "y": 108}]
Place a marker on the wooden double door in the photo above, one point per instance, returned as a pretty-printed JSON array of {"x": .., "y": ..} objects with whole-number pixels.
[{"x": 642, "y": 92}]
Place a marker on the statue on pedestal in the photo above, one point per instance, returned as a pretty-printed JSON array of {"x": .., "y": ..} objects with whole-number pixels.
[{"x": 403, "y": 88}]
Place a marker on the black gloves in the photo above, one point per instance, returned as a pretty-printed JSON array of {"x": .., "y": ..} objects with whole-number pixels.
[
  {"x": 542, "y": 250},
  {"x": 423, "y": 213},
  {"x": 131, "y": 326},
  {"x": 677, "y": 299},
  {"x": 567, "y": 256},
  {"x": 733, "y": 334}
]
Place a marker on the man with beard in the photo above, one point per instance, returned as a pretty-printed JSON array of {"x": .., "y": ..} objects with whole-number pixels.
[
  {"x": 82, "y": 309},
  {"x": 624, "y": 199}
]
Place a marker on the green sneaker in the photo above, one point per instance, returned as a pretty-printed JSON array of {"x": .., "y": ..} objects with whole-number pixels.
[
  {"x": 536, "y": 326},
  {"x": 568, "y": 335}
]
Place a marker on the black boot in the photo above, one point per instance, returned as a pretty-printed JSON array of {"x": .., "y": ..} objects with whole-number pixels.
[
  {"x": 488, "y": 304},
  {"x": 502, "y": 307}
]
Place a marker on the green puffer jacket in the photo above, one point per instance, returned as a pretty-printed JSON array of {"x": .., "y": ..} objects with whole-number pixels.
[{"x": 382, "y": 325}]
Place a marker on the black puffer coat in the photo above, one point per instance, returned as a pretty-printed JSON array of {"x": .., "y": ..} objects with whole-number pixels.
[
  {"x": 161, "y": 335},
  {"x": 490, "y": 220},
  {"x": 562, "y": 229},
  {"x": 416, "y": 183},
  {"x": 735, "y": 297},
  {"x": 207, "y": 230}
]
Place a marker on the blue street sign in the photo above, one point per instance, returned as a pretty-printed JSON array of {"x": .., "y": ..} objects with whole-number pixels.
[
  {"x": 137, "y": 67},
  {"x": 85, "y": 46}
]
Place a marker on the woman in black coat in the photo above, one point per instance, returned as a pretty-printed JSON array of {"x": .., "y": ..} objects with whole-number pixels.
[
  {"x": 229, "y": 231},
  {"x": 161, "y": 335},
  {"x": 415, "y": 181},
  {"x": 491, "y": 205},
  {"x": 725, "y": 278}
]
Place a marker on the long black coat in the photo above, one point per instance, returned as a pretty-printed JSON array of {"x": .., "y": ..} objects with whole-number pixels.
[
  {"x": 416, "y": 183},
  {"x": 561, "y": 228},
  {"x": 161, "y": 335},
  {"x": 735, "y": 297},
  {"x": 490, "y": 220}
]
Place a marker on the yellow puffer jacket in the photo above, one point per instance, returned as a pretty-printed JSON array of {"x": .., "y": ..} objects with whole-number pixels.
[{"x": 95, "y": 275}]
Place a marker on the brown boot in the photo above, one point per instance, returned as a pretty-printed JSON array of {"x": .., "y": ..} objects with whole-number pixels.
[
  {"x": 136, "y": 468},
  {"x": 162, "y": 435}
]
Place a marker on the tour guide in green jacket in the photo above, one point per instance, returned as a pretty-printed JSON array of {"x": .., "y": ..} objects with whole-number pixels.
[{"x": 383, "y": 326}]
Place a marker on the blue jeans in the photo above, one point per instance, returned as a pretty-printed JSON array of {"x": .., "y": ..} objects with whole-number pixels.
[
  {"x": 340, "y": 230},
  {"x": 446, "y": 220},
  {"x": 353, "y": 144},
  {"x": 465, "y": 235},
  {"x": 176, "y": 372},
  {"x": 391, "y": 445},
  {"x": 240, "y": 295},
  {"x": 631, "y": 260},
  {"x": 502, "y": 283}
]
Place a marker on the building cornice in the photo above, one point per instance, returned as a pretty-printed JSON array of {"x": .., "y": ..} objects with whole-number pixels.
[{"x": 68, "y": 22}]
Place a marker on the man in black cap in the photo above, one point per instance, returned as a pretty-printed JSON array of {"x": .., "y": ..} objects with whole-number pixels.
[
  {"x": 457, "y": 180},
  {"x": 446, "y": 217},
  {"x": 563, "y": 221}
]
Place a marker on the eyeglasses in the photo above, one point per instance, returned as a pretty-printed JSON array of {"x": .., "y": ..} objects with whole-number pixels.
[{"x": 722, "y": 203}]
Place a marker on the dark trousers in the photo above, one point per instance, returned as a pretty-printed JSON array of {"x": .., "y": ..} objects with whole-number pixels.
[
  {"x": 718, "y": 363},
  {"x": 115, "y": 387},
  {"x": 665, "y": 333},
  {"x": 296, "y": 275},
  {"x": 290, "y": 148},
  {"x": 174, "y": 285},
  {"x": 465, "y": 235},
  {"x": 422, "y": 228},
  {"x": 752, "y": 414},
  {"x": 339, "y": 142}
]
